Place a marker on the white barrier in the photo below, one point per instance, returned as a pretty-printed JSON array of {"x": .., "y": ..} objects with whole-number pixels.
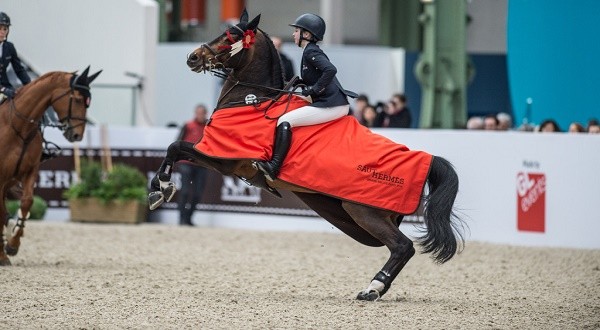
[{"x": 556, "y": 174}]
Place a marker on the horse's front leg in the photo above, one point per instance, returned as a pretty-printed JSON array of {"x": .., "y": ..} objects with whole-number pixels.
[
  {"x": 161, "y": 187},
  {"x": 14, "y": 242},
  {"x": 383, "y": 226},
  {"x": 4, "y": 261}
]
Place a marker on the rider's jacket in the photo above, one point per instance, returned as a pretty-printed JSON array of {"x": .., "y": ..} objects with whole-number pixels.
[
  {"x": 319, "y": 73},
  {"x": 9, "y": 56}
]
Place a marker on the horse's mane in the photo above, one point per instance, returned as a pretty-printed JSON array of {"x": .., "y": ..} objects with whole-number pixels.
[
  {"x": 276, "y": 67},
  {"x": 53, "y": 77}
]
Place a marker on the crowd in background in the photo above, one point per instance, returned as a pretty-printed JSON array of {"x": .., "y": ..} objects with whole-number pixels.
[
  {"x": 395, "y": 113},
  {"x": 503, "y": 122}
]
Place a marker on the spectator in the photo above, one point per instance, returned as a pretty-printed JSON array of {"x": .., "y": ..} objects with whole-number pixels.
[
  {"x": 576, "y": 128},
  {"x": 475, "y": 123},
  {"x": 549, "y": 125},
  {"x": 592, "y": 126},
  {"x": 504, "y": 121},
  {"x": 369, "y": 115},
  {"x": 193, "y": 178},
  {"x": 286, "y": 63},
  {"x": 490, "y": 122},
  {"x": 395, "y": 113},
  {"x": 359, "y": 105}
]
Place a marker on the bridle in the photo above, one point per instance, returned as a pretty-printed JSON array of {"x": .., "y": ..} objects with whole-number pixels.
[
  {"x": 218, "y": 69},
  {"x": 65, "y": 122}
]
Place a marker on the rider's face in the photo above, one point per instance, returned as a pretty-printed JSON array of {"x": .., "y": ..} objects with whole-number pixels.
[
  {"x": 3, "y": 32},
  {"x": 296, "y": 35}
]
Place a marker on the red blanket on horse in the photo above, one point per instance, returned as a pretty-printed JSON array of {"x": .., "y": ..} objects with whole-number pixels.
[{"x": 340, "y": 158}]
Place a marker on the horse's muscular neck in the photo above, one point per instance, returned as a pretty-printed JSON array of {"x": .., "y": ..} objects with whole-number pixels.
[{"x": 32, "y": 107}]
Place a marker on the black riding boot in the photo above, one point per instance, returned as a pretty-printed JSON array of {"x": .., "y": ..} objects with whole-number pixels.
[{"x": 283, "y": 139}]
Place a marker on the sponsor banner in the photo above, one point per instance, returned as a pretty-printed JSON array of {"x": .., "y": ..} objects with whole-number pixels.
[
  {"x": 531, "y": 201},
  {"x": 221, "y": 194}
]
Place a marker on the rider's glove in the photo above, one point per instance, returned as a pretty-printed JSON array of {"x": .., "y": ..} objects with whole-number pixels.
[
  {"x": 9, "y": 92},
  {"x": 308, "y": 92}
]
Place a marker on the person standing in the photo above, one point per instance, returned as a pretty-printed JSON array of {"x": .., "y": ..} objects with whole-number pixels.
[
  {"x": 329, "y": 101},
  {"x": 8, "y": 56},
  {"x": 193, "y": 178},
  {"x": 286, "y": 63}
]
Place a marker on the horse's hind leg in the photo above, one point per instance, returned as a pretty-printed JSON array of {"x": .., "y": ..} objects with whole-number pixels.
[{"x": 383, "y": 225}]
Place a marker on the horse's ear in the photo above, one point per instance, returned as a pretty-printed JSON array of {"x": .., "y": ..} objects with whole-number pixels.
[
  {"x": 254, "y": 24},
  {"x": 84, "y": 74},
  {"x": 94, "y": 76},
  {"x": 244, "y": 17}
]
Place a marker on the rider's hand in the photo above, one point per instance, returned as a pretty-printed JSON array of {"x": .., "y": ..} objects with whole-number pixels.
[
  {"x": 9, "y": 92},
  {"x": 308, "y": 91}
]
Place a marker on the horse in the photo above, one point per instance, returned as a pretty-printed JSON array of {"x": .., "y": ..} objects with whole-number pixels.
[
  {"x": 20, "y": 118},
  {"x": 246, "y": 59}
]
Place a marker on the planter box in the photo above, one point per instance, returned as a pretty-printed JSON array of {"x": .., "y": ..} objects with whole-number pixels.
[{"x": 94, "y": 210}]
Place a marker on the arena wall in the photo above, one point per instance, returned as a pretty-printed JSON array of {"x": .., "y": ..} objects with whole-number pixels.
[{"x": 515, "y": 187}]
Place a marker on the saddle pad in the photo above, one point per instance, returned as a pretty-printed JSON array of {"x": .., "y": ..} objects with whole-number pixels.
[{"x": 340, "y": 158}]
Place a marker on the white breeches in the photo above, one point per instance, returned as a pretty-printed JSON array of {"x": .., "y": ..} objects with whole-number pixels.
[{"x": 309, "y": 115}]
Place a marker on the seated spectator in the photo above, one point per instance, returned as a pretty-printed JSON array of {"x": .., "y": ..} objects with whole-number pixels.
[
  {"x": 395, "y": 113},
  {"x": 576, "y": 128},
  {"x": 504, "y": 121},
  {"x": 475, "y": 123},
  {"x": 592, "y": 126},
  {"x": 548, "y": 126},
  {"x": 369, "y": 115},
  {"x": 490, "y": 122},
  {"x": 359, "y": 105}
]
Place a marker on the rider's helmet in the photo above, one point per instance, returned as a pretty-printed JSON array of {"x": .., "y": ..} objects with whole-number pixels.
[
  {"x": 4, "y": 19},
  {"x": 311, "y": 23}
]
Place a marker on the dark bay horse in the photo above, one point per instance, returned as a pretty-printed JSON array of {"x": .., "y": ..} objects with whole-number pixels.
[
  {"x": 69, "y": 95},
  {"x": 246, "y": 58}
]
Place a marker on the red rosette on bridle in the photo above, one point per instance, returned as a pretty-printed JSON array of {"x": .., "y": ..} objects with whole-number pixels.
[{"x": 248, "y": 39}]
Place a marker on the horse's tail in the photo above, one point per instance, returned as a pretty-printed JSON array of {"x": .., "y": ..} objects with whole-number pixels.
[{"x": 443, "y": 236}]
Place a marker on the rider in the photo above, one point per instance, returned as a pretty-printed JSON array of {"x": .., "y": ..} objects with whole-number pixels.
[
  {"x": 329, "y": 101},
  {"x": 8, "y": 55}
]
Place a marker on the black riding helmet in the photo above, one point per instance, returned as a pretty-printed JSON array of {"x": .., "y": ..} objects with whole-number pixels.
[
  {"x": 311, "y": 23},
  {"x": 4, "y": 19}
]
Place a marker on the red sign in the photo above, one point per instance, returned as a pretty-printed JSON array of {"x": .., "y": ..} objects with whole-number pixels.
[{"x": 531, "y": 202}]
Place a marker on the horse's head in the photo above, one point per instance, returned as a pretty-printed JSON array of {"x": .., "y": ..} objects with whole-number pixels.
[
  {"x": 72, "y": 110},
  {"x": 231, "y": 50},
  {"x": 246, "y": 57}
]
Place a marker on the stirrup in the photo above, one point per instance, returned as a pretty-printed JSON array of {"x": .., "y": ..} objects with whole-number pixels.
[{"x": 262, "y": 166}]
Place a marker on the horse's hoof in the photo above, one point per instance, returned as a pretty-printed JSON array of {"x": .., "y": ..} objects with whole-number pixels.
[
  {"x": 168, "y": 191},
  {"x": 155, "y": 199},
  {"x": 372, "y": 295},
  {"x": 5, "y": 262},
  {"x": 11, "y": 251}
]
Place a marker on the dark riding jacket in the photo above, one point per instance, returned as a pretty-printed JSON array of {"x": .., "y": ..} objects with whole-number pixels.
[
  {"x": 9, "y": 56},
  {"x": 318, "y": 73}
]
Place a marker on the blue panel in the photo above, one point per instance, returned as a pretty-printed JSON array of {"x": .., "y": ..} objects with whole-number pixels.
[
  {"x": 488, "y": 93},
  {"x": 553, "y": 59}
]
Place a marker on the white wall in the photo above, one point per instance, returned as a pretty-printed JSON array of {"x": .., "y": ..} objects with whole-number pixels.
[
  {"x": 487, "y": 164},
  {"x": 114, "y": 35},
  {"x": 376, "y": 71}
]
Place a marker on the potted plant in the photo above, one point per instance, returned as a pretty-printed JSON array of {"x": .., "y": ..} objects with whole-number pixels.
[{"x": 118, "y": 195}]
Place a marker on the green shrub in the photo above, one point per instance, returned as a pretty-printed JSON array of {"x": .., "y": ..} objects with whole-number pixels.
[
  {"x": 37, "y": 211},
  {"x": 124, "y": 182}
]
